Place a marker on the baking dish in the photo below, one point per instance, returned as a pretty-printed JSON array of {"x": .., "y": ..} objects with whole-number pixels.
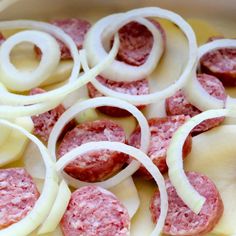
[{"x": 221, "y": 13}]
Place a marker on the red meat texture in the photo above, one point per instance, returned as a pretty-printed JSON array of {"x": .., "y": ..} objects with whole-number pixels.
[
  {"x": 162, "y": 130},
  {"x": 136, "y": 42},
  {"x": 140, "y": 87},
  {"x": 18, "y": 195},
  {"x": 44, "y": 123},
  {"x": 93, "y": 211},
  {"x": 76, "y": 28},
  {"x": 180, "y": 220},
  {"x": 95, "y": 165},
  {"x": 178, "y": 103},
  {"x": 220, "y": 63}
]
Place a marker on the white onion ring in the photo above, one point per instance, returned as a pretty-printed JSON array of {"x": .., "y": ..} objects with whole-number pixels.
[
  {"x": 193, "y": 90},
  {"x": 16, "y": 99},
  {"x": 92, "y": 103},
  {"x": 43, "y": 205},
  {"x": 187, "y": 71},
  {"x": 16, "y": 80},
  {"x": 136, "y": 153},
  {"x": 175, "y": 162},
  {"x": 83, "y": 60},
  {"x": 120, "y": 71},
  {"x": 8, "y": 112},
  {"x": 58, "y": 209}
]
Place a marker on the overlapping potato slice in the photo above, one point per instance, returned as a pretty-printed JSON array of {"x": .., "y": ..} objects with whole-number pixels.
[{"x": 214, "y": 154}]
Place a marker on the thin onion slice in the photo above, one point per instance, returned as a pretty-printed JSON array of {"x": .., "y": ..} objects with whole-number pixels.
[
  {"x": 92, "y": 103},
  {"x": 43, "y": 205},
  {"x": 136, "y": 153},
  {"x": 58, "y": 209},
  {"x": 187, "y": 71},
  {"x": 16, "y": 99},
  {"x": 83, "y": 59},
  {"x": 175, "y": 162},
  {"x": 10, "y": 112},
  {"x": 193, "y": 90},
  {"x": 120, "y": 71},
  {"x": 17, "y": 80}
]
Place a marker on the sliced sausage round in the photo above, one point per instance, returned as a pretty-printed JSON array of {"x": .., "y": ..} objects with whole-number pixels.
[
  {"x": 18, "y": 195},
  {"x": 136, "y": 42},
  {"x": 76, "y": 28},
  {"x": 162, "y": 130},
  {"x": 222, "y": 64},
  {"x": 180, "y": 220},
  {"x": 140, "y": 87},
  {"x": 178, "y": 104},
  {"x": 43, "y": 123},
  {"x": 95, "y": 165},
  {"x": 94, "y": 211}
]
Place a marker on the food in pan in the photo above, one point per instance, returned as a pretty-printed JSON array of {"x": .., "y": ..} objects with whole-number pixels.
[{"x": 81, "y": 87}]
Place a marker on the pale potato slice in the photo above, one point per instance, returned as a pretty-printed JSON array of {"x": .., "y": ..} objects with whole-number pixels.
[
  {"x": 33, "y": 161},
  {"x": 214, "y": 154},
  {"x": 12, "y": 149},
  {"x": 142, "y": 223},
  {"x": 127, "y": 193},
  {"x": 203, "y": 30},
  {"x": 168, "y": 70}
]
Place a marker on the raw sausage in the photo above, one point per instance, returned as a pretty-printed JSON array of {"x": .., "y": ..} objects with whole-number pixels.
[
  {"x": 220, "y": 63},
  {"x": 136, "y": 42},
  {"x": 18, "y": 195},
  {"x": 93, "y": 211},
  {"x": 94, "y": 166},
  {"x": 76, "y": 28},
  {"x": 140, "y": 87},
  {"x": 180, "y": 220},
  {"x": 43, "y": 123},
  {"x": 162, "y": 130},
  {"x": 178, "y": 104}
]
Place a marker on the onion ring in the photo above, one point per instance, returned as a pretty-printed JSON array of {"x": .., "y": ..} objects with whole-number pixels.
[
  {"x": 119, "y": 71},
  {"x": 58, "y": 209},
  {"x": 92, "y": 103},
  {"x": 15, "y": 80},
  {"x": 16, "y": 99},
  {"x": 187, "y": 71},
  {"x": 9, "y": 112},
  {"x": 193, "y": 90}
]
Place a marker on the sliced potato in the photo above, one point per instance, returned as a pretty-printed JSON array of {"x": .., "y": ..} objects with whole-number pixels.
[
  {"x": 12, "y": 149},
  {"x": 127, "y": 193},
  {"x": 214, "y": 154},
  {"x": 203, "y": 30}
]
